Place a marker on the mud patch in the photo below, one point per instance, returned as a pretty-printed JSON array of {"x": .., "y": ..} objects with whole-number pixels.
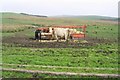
[{"x": 24, "y": 41}]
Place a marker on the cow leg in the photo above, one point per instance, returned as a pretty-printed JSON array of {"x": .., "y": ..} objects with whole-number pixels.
[
  {"x": 40, "y": 36},
  {"x": 52, "y": 37},
  {"x": 66, "y": 37},
  {"x": 56, "y": 37},
  {"x": 36, "y": 35}
]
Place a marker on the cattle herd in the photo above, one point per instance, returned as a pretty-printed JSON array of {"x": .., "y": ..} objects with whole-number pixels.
[{"x": 56, "y": 33}]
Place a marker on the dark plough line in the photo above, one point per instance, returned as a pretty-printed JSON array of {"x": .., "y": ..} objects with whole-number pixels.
[{"x": 61, "y": 73}]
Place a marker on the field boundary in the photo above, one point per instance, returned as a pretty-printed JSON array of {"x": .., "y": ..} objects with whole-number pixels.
[
  {"x": 60, "y": 73},
  {"x": 60, "y": 67}
]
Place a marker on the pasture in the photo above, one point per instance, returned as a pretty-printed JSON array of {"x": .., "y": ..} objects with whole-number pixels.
[{"x": 20, "y": 52}]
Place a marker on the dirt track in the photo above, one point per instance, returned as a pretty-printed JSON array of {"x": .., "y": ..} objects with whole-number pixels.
[
  {"x": 62, "y": 73},
  {"x": 24, "y": 41}
]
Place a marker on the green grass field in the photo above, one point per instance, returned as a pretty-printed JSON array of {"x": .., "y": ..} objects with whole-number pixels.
[
  {"x": 98, "y": 59},
  {"x": 75, "y": 58}
]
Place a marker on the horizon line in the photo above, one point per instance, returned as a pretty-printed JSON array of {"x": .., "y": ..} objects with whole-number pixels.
[{"x": 60, "y": 15}]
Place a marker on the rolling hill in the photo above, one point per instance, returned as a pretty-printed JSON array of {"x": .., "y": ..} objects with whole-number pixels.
[
  {"x": 85, "y": 17},
  {"x": 13, "y": 21},
  {"x": 90, "y": 17}
]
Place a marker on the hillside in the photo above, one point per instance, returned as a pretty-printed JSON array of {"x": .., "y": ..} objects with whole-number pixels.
[
  {"x": 14, "y": 21},
  {"x": 19, "y": 14},
  {"x": 85, "y": 17},
  {"x": 33, "y": 15},
  {"x": 90, "y": 17}
]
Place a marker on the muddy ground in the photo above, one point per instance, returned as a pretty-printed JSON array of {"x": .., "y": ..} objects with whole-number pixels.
[{"x": 25, "y": 41}]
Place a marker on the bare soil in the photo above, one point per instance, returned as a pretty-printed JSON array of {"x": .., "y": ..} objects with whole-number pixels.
[{"x": 25, "y": 41}]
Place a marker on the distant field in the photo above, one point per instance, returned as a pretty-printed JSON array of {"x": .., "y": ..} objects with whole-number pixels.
[
  {"x": 13, "y": 22},
  {"x": 19, "y": 51}
]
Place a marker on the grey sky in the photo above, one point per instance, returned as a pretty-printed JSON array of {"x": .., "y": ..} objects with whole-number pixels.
[{"x": 62, "y": 7}]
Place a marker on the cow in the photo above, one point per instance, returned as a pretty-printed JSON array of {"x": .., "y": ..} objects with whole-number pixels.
[
  {"x": 42, "y": 32},
  {"x": 49, "y": 33},
  {"x": 38, "y": 35},
  {"x": 61, "y": 33},
  {"x": 72, "y": 31},
  {"x": 55, "y": 33}
]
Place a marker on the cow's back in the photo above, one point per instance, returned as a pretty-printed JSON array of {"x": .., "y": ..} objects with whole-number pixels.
[{"x": 61, "y": 31}]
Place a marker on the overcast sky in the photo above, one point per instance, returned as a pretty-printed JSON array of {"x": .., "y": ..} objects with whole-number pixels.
[{"x": 61, "y": 7}]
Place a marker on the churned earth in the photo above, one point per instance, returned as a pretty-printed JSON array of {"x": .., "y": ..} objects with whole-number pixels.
[{"x": 25, "y": 41}]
